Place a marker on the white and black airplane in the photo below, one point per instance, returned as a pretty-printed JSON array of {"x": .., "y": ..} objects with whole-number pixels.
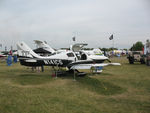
[
  {"x": 2, "y": 55},
  {"x": 67, "y": 59}
]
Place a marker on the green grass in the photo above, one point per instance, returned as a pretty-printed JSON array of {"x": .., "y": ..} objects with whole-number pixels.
[{"x": 118, "y": 89}]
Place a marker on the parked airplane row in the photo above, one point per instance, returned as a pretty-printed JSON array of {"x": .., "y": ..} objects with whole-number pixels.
[{"x": 73, "y": 59}]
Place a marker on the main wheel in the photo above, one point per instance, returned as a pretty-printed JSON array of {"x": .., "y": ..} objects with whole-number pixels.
[
  {"x": 131, "y": 60},
  {"x": 142, "y": 61},
  {"x": 148, "y": 63}
]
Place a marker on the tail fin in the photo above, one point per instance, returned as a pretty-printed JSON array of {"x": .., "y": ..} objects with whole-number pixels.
[{"x": 25, "y": 51}]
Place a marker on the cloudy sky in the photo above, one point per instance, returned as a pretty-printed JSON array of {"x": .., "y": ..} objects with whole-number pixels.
[{"x": 91, "y": 21}]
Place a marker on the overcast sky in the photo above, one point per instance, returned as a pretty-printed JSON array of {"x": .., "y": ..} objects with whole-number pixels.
[{"x": 91, "y": 21}]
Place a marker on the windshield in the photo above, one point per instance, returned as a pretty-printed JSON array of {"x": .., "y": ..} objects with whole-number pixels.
[{"x": 70, "y": 54}]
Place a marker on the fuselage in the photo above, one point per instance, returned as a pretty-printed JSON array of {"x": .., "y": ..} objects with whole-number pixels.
[
  {"x": 64, "y": 59},
  {"x": 28, "y": 57},
  {"x": 1, "y": 55}
]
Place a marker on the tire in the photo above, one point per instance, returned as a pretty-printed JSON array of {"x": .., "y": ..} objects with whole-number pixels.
[
  {"x": 148, "y": 63},
  {"x": 142, "y": 61},
  {"x": 131, "y": 60}
]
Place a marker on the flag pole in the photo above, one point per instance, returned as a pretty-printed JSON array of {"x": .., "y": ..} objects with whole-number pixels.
[
  {"x": 113, "y": 43},
  {"x": 112, "y": 38},
  {"x": 113, "y": 46}
]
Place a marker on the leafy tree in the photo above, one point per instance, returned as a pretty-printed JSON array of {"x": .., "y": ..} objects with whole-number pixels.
[
  {"x": 125, "y": 49},
  {"x": 138, "y": 46},
  {"x": 104, "y": 49},
  {"x": 108, "y": 49}
]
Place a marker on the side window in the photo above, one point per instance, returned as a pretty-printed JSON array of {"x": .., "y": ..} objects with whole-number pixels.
[
  {"x": 70, "y": 54},
  {"x": 83, "y": 57}
]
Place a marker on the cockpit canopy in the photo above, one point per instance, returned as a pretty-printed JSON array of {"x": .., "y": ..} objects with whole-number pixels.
[{"x": 77, "y": 47}]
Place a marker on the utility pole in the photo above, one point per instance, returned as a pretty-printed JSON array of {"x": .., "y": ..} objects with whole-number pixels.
[{"x": 11, "y": 48}]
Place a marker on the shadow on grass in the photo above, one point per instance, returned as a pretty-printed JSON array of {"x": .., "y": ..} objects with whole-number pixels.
[
  {"x": 92, "y": 84},
  {"x": 136, "y": 63},
  {"x": 100, "y": 87},
  {"x": 106, "y": 74},
  {"x": 32, "y": 79}
]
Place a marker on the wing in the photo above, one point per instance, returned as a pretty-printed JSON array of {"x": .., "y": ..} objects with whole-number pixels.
[{"x": 89, "y": 66}]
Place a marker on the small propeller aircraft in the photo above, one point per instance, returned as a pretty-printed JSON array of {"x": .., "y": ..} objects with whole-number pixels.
[
  {"x": 68, "y": 59},
  {"x": 2, "y": 55}
]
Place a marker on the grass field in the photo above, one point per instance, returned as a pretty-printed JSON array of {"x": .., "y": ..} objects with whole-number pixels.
[{"x": 118, "y": 89}]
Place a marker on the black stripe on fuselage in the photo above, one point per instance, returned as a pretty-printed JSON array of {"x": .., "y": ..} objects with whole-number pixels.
[{"x": 51, "y": 62}]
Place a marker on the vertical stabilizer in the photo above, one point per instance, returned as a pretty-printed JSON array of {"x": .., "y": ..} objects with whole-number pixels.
[{"x": 25, "y": 51}]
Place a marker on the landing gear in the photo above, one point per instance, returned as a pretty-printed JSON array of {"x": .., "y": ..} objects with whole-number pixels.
[
  {"x": 131, "y": 60},
  {"x": 57, "y": 71},
  {"x": 80, "y": 74}
]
